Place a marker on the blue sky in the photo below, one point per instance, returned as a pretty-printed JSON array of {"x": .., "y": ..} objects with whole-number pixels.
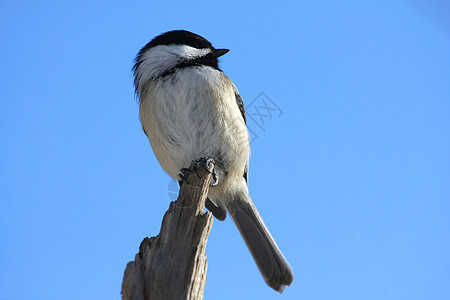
[{"x": 351, "y": 174}]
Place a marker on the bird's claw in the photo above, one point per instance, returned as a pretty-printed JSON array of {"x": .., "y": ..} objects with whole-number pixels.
[
  {"x": 215, "y": 178},
  {"x": 183, "y": 176},
  {"x": 208, "y": 164}
]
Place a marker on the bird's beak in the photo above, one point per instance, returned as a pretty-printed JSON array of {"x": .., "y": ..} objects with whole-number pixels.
[{"x": 219, "y": 52}]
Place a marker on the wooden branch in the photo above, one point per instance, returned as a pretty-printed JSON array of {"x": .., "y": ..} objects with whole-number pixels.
[{"x": 173, "y": 264}]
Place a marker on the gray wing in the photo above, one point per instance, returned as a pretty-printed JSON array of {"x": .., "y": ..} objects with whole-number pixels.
[{"x": 240, "y": 104}]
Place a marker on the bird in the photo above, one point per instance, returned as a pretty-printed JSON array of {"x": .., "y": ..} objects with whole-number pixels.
[{"x": 190, "y": 110}]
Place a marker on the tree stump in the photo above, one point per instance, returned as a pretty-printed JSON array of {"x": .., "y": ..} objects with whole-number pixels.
[{"x": 173, "y": 264}]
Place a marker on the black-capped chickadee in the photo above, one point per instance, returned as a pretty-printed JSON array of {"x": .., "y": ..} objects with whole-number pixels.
[{"x": 190, "y": 109}]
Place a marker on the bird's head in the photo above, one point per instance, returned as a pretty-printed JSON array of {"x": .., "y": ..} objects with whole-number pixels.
[{"x": 170, "y": 51}]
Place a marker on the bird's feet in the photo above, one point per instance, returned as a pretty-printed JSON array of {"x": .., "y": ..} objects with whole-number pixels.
[
  {"x": 208, "y": 164},
  {"x": 184, "y": 175},
  {"x": 204, "y": 162}
]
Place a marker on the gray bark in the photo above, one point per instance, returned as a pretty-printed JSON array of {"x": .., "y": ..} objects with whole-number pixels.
[{"x": 173, "y": 264}]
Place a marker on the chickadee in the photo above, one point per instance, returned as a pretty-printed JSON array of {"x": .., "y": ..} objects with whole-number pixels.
[{"x": 189, "y": 109}]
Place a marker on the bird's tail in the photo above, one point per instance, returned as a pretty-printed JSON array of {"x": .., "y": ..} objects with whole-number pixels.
[{"x": 271, "y": 263}]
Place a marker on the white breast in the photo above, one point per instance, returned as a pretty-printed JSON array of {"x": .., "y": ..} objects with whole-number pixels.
[{"x": 192, "y": 114}]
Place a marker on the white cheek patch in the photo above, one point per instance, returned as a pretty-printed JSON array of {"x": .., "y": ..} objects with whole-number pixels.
[
  {"x": 162, "y": 58},
  {"x": 187, "y": 51}
]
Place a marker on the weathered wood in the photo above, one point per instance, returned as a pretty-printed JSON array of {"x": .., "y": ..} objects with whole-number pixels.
[{"x": 173, "y": 264}]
